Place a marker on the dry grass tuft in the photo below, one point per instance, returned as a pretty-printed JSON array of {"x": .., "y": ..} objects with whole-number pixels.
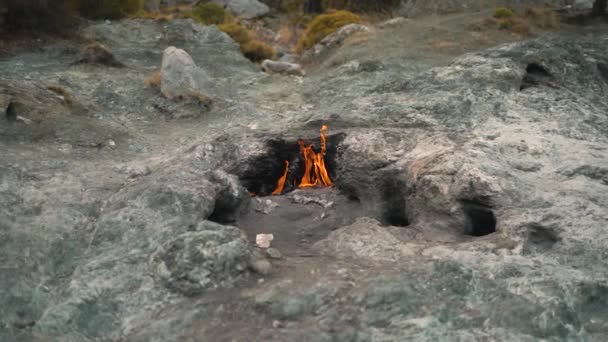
[
  {"x": 66, "y": 95},
  {"x": 323, "y": 25},
  {"x": 153, "y": 81},
  {"x": 254, "y": 49},
  {"x": 258, "y": 51},
  {"x": 237, "y": 32}
]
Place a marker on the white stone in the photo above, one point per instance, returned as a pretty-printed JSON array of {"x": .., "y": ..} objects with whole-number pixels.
[{"x": 264, "y": 240}]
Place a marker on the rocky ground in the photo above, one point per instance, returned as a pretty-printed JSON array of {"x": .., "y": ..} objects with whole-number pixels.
[{"x": 470, "y": 203}]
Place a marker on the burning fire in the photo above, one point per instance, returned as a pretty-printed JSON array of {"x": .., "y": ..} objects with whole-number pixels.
[{"x": 315, "y": 172}]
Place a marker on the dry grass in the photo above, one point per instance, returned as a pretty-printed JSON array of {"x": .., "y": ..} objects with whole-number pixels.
[
  {"x": 210, "y": 14},
  {"x": 237, "y": 32},
  {"x": 323, "y": 25},
  {"x": 153, "y": 81},
  {"x": 254, "y": 49},
  {"x": 258, "y": 51},
  {"x": 201, "y": 98},
  {"x": 543, "y": 17},
  {"x": 66, "y": 95}
]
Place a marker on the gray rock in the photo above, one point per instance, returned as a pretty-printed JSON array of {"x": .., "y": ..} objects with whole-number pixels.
[
  {"x": 208, "y": 257},
  {"x": 270, "y": 66},
  {"x": 260, "y": 265},
  {"x": 274, "y": 253},
  {"x": 180, "y": 77},
  {"x": 247, "y": 9},
  {"x": 366, "y": 239},
  {"x": 152, "y": 5}
]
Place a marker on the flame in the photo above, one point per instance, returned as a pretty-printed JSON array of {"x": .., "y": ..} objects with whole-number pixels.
[
  {"x": 281, "y": 181},
  {"x": 315, "y": 172}
]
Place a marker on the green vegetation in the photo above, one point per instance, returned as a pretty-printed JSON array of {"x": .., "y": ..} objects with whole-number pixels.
[
  {"x": 253, "y": 49},
  {"x": 503, "y": 13},
  {"x": 240, "y": 34},
  {"x": 323, "y": 25},
  {"x": 210, "y": 14},
  {"x": 106, "y": 9}
]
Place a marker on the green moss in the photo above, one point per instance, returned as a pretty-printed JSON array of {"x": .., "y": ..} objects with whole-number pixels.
[
  {"x": 323, "y": 25},
  {"x": 503, "y": 13}
]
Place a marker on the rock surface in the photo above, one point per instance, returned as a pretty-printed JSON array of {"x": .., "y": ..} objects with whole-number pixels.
[
  {"x": 463, "y": 184},
  {"x": 247, "y": 9}
]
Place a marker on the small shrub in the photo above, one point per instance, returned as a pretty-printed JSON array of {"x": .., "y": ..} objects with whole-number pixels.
[
  {"x": 503, "y": 13},
  {"x": 253, "y": 49},
  {"x": 507, "y": 23},
  {"x": 323, "y": 25},
  {"x": 258, "y": 51},
  {"x": 210, "y": 14},
  {"x": 240, "y": 34},
  {"x": 543, "y": 17}
]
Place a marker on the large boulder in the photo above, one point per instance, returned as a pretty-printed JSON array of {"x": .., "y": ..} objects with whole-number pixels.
[
  {"x": 180, "y": 77},
  {"x": 247, "y": 9}
]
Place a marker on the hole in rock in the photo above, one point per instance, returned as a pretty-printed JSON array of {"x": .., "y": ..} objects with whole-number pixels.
[
  {"x": 394, "y": 207},
  {"x": 11, "y": 112},
  {"x": 480, "y": 218},
  {"x": 603, "y": 69},
  {"x": 540, "y": 238},
  {"x": 536, "y": 75}
]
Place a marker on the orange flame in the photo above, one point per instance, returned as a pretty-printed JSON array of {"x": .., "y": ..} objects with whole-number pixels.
[
  {"x": 281, "y": 181},
  {"x": 315, "y": 172}
]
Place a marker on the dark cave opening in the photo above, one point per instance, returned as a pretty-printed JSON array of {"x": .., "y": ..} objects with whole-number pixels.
[
  {"x": 536, "y": 75},
  {"x": 481, "y": 220},
  {"x": 394, "y": 206},
  {"x": 260, "y": 175},
  {"x": 603, "y": 69},
  {"x": 11, "y": 112}
]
